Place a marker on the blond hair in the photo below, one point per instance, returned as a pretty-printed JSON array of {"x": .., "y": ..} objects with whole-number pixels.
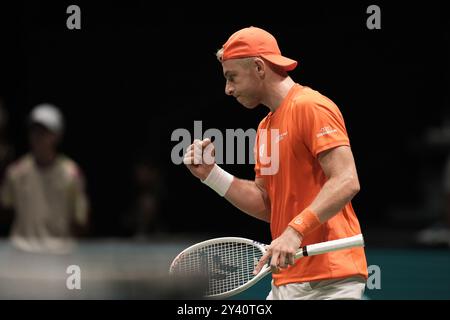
[
  {"x": 246, "y": 62},
  {"x": 219, "y": 54}
]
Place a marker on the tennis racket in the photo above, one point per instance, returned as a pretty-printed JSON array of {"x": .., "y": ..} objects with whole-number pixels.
[{"x": 227, "y": 264}]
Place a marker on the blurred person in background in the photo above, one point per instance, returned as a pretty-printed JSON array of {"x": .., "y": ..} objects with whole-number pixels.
[
  {"x": 447, "y": 201},
  {"x": 143, "y": 217},
  {"x": 438, "y": 139},
  {"x": 6, "y": 157},
  {"x": 6, "y": 149},
  {"x": 45, "y": 189},
  {"x": 438, "y": 235}
]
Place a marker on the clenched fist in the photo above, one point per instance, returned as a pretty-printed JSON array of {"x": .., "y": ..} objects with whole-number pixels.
[{"x": 200, "y": 158}]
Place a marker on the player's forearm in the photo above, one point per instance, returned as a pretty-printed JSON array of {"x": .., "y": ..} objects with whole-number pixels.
[
  {"x": 334, "y": 195},
  {"x": 249, "y": 198}
]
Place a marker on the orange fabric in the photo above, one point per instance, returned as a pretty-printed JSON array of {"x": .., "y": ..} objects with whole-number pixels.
[
  {"x": 254, "y": 42},
  {"x": 305, "y": 222},
  {"x": 305, "y": 124}
]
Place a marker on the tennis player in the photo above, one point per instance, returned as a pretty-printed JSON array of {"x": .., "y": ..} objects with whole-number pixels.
[{"x": 306, "y": 196}]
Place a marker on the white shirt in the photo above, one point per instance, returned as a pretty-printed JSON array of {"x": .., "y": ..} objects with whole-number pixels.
[{"x": 47, "y": 202}]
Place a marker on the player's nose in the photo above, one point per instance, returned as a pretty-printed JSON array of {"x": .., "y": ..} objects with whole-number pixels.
[{"x": 229, "y": 90}]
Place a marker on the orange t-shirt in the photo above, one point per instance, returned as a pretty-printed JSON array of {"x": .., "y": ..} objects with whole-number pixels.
[{"x": 305, "y": 124}]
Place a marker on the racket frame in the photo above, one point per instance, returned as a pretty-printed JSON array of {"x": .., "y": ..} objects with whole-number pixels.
[{"x": 307, "y": 250}]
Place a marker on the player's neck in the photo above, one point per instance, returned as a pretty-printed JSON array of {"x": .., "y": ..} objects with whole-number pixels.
[{"x": 276, "y": 92}]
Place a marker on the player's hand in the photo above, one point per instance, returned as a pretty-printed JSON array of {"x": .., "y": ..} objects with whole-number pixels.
[
  {"x": 200, "y": 158},
  {"x": 281, "y": 251}
]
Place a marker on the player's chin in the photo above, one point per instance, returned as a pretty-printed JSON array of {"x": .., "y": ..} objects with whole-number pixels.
[{"x": 248, "y": 103}]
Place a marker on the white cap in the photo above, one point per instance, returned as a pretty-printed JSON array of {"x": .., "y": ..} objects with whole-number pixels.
[{"x": 49, "y": 116}]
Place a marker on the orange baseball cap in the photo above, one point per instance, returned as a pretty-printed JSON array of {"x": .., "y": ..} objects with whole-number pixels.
[{"x": 256, "y": 42}]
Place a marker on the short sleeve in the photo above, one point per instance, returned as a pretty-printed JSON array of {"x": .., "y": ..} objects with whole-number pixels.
[{"x": 321, "y": 126}]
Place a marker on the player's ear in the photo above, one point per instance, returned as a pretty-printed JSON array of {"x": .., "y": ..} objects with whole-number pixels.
[{"x": 260, "y": 66}]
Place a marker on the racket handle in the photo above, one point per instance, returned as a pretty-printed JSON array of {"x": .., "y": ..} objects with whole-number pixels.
[{"x": 329, "y": 246}]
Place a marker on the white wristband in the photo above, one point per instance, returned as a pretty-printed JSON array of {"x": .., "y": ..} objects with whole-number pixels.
[{"x": 219, "y": 180}]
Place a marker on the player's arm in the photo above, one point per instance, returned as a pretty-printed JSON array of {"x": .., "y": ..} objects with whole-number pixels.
[
  {"x": 342, "y": 182},
  {"x": 80, "y": 206},
  {"x": 248, "y": 196}
]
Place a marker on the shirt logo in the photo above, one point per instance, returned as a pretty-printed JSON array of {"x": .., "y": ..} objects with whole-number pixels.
[
  {"x": 298, "y": 221},
  {"x": 281, "y": 136},
  {"x": 325, "y": 130}
]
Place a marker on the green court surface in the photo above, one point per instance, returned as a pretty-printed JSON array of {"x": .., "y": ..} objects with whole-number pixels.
[
  {"x": 118, "y": 269},
  {"x": 404, "y": 275}
]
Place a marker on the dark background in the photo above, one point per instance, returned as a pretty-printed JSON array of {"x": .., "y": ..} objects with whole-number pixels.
[{"x": 135, "y": 72}]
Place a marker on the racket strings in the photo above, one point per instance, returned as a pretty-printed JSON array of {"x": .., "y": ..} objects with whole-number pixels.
[{"x": 226, "y": 266}]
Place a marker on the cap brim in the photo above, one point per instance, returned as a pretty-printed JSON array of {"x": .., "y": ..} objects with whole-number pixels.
[{"x": 286, "y": 63}]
